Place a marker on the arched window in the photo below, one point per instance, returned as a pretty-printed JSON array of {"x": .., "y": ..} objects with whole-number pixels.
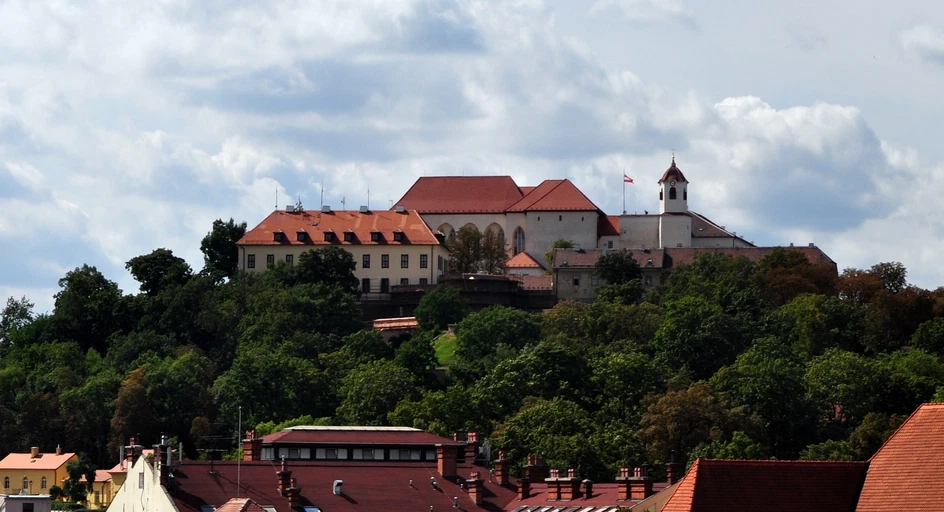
[
  {"x": 42, "y": 483},
  {"x": 447, "y": 231},
  {"x": 26, "y": 483},
  {"x": 499, "y": 233},
  {"x": 672, "y": 193},
  {"x": 660, "y": 195},
  {"x": 6, "y": 482},
  {"x": 519, "y": 240},
  {"x": 685, "y": 194}
]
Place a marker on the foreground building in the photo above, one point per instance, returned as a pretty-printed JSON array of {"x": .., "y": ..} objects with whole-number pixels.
[{"x": 390, "y": 247}]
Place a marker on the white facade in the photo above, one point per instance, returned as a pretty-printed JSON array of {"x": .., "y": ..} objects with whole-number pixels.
[{"x": 142, "y": 490}]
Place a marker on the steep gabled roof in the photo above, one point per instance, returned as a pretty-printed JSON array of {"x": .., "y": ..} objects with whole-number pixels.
[
  {"x": 907, "y": 473},
  {"x": 608, "y": 225},
  {"x": 461, "y": 194},
  {"x": 316, "y": 223},
  {"x": 523, "y": 260},
  {"x": 769, "y": 485},
  {"x": 240, "y": 505},
  {"x": 673, "y": 173},
  {"x": 554, "y": 195}
]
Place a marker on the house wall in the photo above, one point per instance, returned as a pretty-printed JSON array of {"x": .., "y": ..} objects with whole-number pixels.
[
  {"x": 675, "y": 231},
  {"x": 375, "y": 273},
  {"x": 103, "y": 496},
  {"x": 639, "y": 231},
  {"x": 584, "y": 289},
  {"x": 139, "y": 494},
  {"x": 53, "y": 477},
  {"x": 609, "y": 242},
  {"x": 41, "y": 503},
  {"x": 545, "y": 228}
]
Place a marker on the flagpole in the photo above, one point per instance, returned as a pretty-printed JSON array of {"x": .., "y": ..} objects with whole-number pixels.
[{"x": 624, "y": 191}]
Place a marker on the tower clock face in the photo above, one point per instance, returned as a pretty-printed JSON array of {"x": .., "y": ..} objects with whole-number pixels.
[{"x": 671, "y": 183}]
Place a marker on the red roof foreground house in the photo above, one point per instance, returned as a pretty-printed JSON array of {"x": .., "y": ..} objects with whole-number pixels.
[
  {"x": 770, "y": 486},
  {"x": 907, "y": 473}
]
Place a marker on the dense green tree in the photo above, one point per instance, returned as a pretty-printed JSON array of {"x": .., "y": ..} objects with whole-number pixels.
[
  {"x": 768, "y": 381},
  {"x": 443, "y": 412},
  {"x": 930, "y": 336},
  {"x": 87, "y": 412},
  {"x": 678, "y": 421},
  {"x": 485, "y": 338},
  {"x": 465, "y": 250},
  {"x": 843, "y": 384},
  {"x": 617, "y": 267},
  {"x": 158, "y": 270},
  {"x": 16, "y": 314},
  {"x": 621, "y": 380},
  {"x": 330, "y": 265},
  {"x": 418, "y": 356},
  {"x": 698, "y": 336},
  {"x": 178, "y": 390},
  {"x": 220, "y": 256},
  {"x": 830, "y": 450},
  {"x": 874, "y": 430},
  {"x": 784, "y": 274},
  {"x": 372, "y": 391},
  {"x": 89, "y": 308},
  {"x": 440, "y": 307},
  {"x": 73, "y": 487},
  {"x": 134, "y": 415},
  {"x": 625, "y": 293},
  {"x": 739, "y": 447},
  {"x": 813, "y": 323},
  {"x": 627, "y": 327},
  {"x": 494, "y": 253}
]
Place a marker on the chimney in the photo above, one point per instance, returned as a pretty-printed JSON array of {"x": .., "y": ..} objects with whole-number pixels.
[
  {"x": 446, "y": 460},
  {"x": 34, "y": 452},
  {"x": 587, "y": 489},
  {"x": 501, "y": 469},
  {"x": 536, "y": 470},
  {"x": 252, "y": 446},
  {"x": 640, "y": 484},
  {"x": 294, "y": 494},
  {"x": 285, "y": 478},
  {"x": 622, "y": 485},
  {"x": 553, "y": 486},
  {"x": 472, "y": 447},
  {"x": 674, "y": 472},
  {"x": 475, "y": 488},
  {"x": 524, "y": 488},
  {"x": 162, "y": 459},
  {"x": 569, "y": 485},
  {"x": 58, "y": 450}
]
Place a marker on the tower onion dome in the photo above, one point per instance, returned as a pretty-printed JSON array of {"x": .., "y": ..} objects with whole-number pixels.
[{"x": 673, "y": 173}]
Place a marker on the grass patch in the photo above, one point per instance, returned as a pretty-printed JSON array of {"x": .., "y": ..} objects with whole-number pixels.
[{"x": 445, "y": 346}]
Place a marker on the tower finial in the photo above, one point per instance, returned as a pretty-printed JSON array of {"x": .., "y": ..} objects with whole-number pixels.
[{"x": 673, "y": 156}]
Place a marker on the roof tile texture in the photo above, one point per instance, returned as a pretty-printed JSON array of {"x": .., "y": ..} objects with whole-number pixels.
[
  {"x": 523, "y": 260},
  {"x": 44, "y": 461},
  {"x": 771, "y": 486},
  {"x": 907, "y": 473},
  {"x": 492, "y": 194},
  {"x": 315, "y": 224}
]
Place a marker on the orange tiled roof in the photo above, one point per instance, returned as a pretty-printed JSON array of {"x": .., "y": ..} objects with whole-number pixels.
[
  {"x": 534, "y": 282},
  {"x": 769, "y": 485},
  {"x": 608, "y": 225},
  {"x": 240, "y": 505},
  {"x": 461, "y": 194},
  {"x": 905, "y": 474},
  {"x": 523, "y": 260},
  {"x": 315, "y": 224},
  {"x": 26, "y": 461},
  {"x": 406, "y": 322},
  {"x": 554, "y": 195}
]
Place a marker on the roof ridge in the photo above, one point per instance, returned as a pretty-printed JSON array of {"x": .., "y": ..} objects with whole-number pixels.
[
  {"x": 900, "y": 427},
  {"x": 532, "y": 191}
]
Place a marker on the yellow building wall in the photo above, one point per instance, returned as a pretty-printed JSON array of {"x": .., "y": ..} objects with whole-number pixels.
[
  {"x": 103, "y": 497},
  {"x": 35, "y": 476},
  {"x": 394, "y": 272}
]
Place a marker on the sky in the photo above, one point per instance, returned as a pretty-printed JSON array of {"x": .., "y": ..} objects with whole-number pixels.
[{"x": 131, "y": 126}]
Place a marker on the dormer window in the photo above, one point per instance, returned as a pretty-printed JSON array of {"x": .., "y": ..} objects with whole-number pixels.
[
  {"x": 375, "y": 236},
  {"x": 329, "y": 236},
  {"x": 397, "y": 236},
  {"x": 301, "y": 236},
  {"x": 348, "y": 236},
  {"x": 279, "y": 236}
]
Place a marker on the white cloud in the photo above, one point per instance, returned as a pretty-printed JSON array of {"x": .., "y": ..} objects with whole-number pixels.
[
  {"x": 924, "y": 42},
  {"x": 646, "y": 11}
]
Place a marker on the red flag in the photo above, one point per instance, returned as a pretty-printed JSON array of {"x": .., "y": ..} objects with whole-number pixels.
[{"x": 627, "y": 179}]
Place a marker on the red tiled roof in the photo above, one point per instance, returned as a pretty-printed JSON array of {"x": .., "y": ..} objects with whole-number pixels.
[
  {"x": 678, "y": 256},
  {"x": 554, "y": 195},
  {"x": 608, "y": 225},
  {"x": 366, "y": 486},
  {"x": 525, "y": 190},
  {"x": 534, "y": 282},
  {"x": 585, "y": 258},
  {"x": 461, "y": 194},
  {"x": 604, "y": 494},
  {"x": 673, "y": 173},
  {"x": 906, "y": 473},
  {"x": 703, "y": 227},
  {"x": 240, "y": 505},
  {"x": 316, "y": 223},
  {"x": 26, "y": 461},
  {"x": 771, "y": 486},
  {"x": 388, "y": 436},
  {"x": 523, "y": 260}
]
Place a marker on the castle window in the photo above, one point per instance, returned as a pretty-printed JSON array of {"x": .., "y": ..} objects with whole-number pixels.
[
  {"x": 279, "y": 236},
  {"x": 26, "y": 483},
  {"x": 375, "y": 236},
  {"x": 397, "y": 236},
  {"x": 576, "y": 281},
  {"x": 300, "y": 236},
  {"x": 329, "y": 236},
  {"x": 289, "y": 258},
  {"x": 672, "y": 193},
  {"x": 348, "y": 236},
  {"x": 6, "y": 482},
  {"x": 365, "y": 261},
  {"x": 251, "y": 260},
  {"x": 42, "y": 483},
  {"x": 270, "y": 260},
  {"x": 685, "y": 195},
  {"x": 424, "y": 260},
  {"x": 660, "y": 195},
  {"x": 519, "y": 240},
  {"x": 560, "y": 218}
]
